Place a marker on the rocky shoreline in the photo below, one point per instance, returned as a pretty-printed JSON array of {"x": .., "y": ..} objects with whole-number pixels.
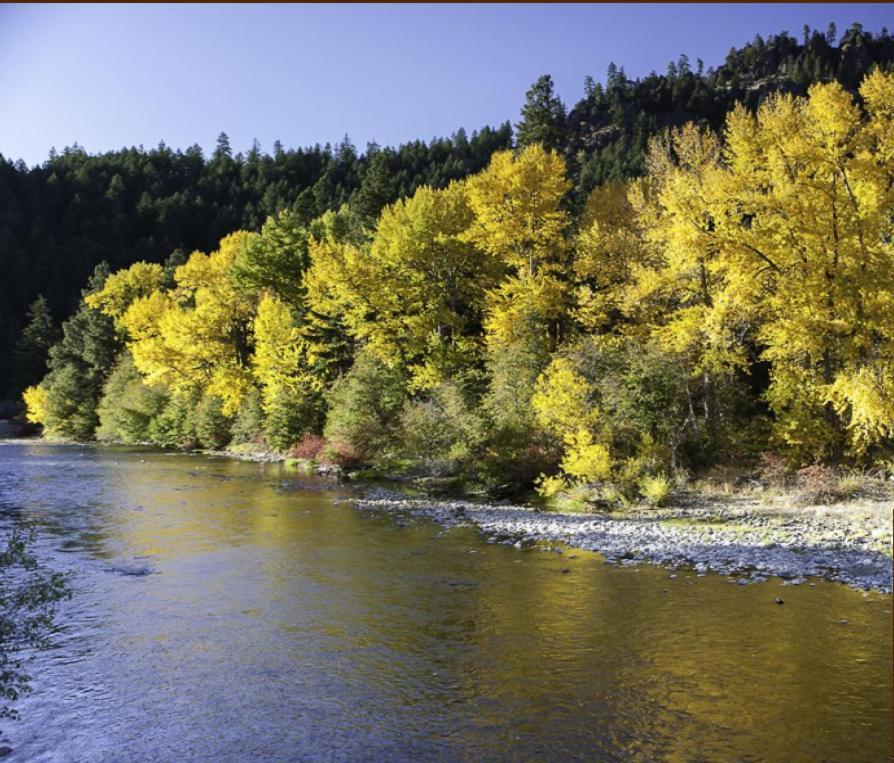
[{"x": 744, "y": 539}]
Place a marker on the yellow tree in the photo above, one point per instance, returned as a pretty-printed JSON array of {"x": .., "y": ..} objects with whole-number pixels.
[
  {"x": 333, "y": 285},
  {"x": 426, "y": 286},
  {"x": 807, "y": 239},
  {"x": 519, "y": 221},
  {"x": 197, "y": 336},
  {"x": 277, "y": 357},
  {"x": 563, "y": 406},
  {"x": 289, "y": 393},
  {"x": 122, "y": 288},
  {"x": 678, "y": 286},
  {"x": 609, "y": 244}
]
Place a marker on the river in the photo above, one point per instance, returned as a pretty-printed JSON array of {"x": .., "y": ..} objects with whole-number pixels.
[{"x": 234, "y": 611}]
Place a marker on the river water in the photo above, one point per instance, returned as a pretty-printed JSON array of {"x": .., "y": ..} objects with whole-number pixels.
[{"x": 233, "y": 611}]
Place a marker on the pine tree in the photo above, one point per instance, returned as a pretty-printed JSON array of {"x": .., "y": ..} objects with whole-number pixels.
[
  {"x": 31, "y": 352},
  {"x": 543, "y": 116}
]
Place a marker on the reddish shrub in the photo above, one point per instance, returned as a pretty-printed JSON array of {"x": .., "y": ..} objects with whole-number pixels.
[
  {"x": 818, "y": 483},
  {"x": 308, "y": 447},
  {"x": 341, "y": 453},
  {"x": 773, "y": 469}
]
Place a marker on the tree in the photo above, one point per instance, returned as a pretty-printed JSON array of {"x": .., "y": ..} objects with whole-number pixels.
[
  {"x": 831, "y": 34},
  {"x": 197, "y": 336},
  {"x": 28, "y": 598},
  {"x": 121, "y": 289},
  {"x": 784, "y": 244},
  {"x": 416, "y": 296},
  {"x": 32, "y": 349},
  {"x": 290, "y": 395},
  {"x": 128, "y": 406},
  {"x": 223, "y": 149},
  {"x": 543, "y": 117},
  {"x": 809, "y": 231},
  {"x": 275, "y": 259},
  {"x": 609, "y": 245},
  {"x": 519, "y": 221},
  {"x": 364, "y": 410},
  {"x": 79, "y": 365}
]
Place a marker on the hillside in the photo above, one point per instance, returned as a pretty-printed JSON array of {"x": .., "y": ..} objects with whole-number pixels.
[{"x": 60, "y": 219}]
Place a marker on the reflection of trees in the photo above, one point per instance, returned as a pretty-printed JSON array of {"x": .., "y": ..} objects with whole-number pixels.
[{"x": 378, "y": 631}]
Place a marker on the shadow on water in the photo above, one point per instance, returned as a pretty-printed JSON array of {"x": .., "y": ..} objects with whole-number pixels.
[{"x": 217, "y": 614}]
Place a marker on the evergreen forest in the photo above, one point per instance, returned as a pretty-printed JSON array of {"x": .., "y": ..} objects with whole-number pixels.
[{"x": 690, "y": 268}]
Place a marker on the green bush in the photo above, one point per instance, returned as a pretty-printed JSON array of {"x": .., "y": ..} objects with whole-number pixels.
[
  {"x": 127, "y": 406},
  {"x": 248, "y": 425},
  {"x": 441, "y": 431},
  {"x": 514, "y": 452},
  {"x": 212, "y": 427},
  {"x": 175, "y": 424},
  {"x": 364, "y": 409},
  {"x": 288, "y": 418}
]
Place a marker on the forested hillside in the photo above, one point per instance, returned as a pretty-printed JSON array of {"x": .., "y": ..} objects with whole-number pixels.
[
  {"x": 60, "y": 219},
  {"x": 731, "y": 304}
]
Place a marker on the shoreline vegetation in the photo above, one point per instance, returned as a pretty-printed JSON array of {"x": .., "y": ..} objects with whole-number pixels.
[
  {"x": 722, "y": 317},
  {"x": 736, "y": 523},
  {"x": 737, "y": 526}
]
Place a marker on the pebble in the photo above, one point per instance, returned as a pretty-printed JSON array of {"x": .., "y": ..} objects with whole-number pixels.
[{"x": 793, "y": 553}]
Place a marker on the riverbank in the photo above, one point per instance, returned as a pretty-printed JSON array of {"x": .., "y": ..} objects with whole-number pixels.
[
  {"x": 742, "y": 537},
  {"x": 748, "y": 535}
]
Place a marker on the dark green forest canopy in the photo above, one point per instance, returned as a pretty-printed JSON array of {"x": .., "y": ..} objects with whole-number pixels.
[{"x": 60, "y": 219}]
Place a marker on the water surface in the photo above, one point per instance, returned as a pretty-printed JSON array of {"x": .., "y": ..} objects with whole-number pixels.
[{"x": 233, "y": 611}]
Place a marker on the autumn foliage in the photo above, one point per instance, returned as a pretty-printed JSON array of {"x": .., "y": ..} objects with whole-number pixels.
[{"x": 737, "y": 298}]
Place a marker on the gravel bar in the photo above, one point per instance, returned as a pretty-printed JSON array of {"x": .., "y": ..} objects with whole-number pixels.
[{"x": 749, "y": 541}]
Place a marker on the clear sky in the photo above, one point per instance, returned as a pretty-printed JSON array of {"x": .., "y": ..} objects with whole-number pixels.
[{"x": 110, "y": 76}]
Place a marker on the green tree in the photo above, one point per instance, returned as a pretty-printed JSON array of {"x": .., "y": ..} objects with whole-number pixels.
[
  {"x": 79, "y": 365},
  {"x": 32, "y": 351},
  {"x": 543, "y": 116},
  {"x": 128, "y": 406},
  {"x": 276, "y": 259},
  {"x": 29, "y": 595}
]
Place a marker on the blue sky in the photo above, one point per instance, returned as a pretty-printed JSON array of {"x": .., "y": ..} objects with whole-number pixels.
[{"x": 109, "y": 76}]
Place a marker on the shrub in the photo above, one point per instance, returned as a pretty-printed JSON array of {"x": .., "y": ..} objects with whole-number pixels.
[
  {"x": 611, "y": 494},
  {"x": 127, "y": 406},
  {"x": 364, "y": 409},
  {"x": 773, "y": 469},
  {"x": 655, "y": 489},
  {"x": 512, "y": 458},
  {"x": 850, "y": 485},
  {"x": 31, "y": 593},
  {"x": 441, "y": 429},
  {"x": 212, "y": 427},
  {"x": 341, "y": 453},
  {"x": 550, "y": 486},
  {"x": 819, "y": 483},
  {"x": 308, "y": 447}
]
